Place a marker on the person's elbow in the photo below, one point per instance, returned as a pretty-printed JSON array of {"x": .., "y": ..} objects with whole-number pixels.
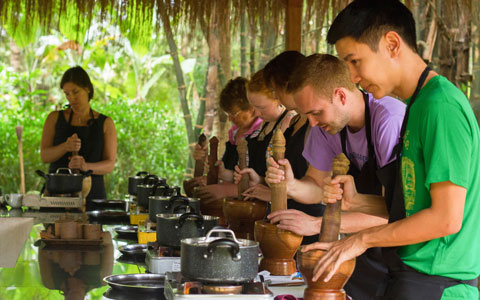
[
  {"x": 452, "y": 226},
  {"x": 110, "y": 166}
]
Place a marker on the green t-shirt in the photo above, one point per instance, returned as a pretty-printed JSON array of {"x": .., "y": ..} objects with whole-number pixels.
[{"x": 441, "y": 143}]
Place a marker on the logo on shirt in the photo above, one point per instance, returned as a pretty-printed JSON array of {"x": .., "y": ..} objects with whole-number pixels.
[{"x": 408, "y": 178}]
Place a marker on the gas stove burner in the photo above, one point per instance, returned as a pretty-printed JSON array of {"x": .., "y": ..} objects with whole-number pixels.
[{"x": 222, "y": 289}]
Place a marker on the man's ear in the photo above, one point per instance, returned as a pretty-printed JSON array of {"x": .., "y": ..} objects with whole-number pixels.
[
  {"x": 340, "y": 93},
  {"x": 392, "y": 43}
]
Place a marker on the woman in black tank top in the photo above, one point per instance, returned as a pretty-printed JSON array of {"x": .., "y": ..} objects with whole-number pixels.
[{"x": 78, "y": 137}]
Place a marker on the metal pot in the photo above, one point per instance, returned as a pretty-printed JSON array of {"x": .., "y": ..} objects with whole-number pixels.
[
  {"x": 64, "y": 183},
  {"x": 171, "y": 205},
  {"x": 136, "y": 180},
  {"x": 219, "y": 259},
  {"x": 171, "y": 228},
  {"x": 150, "y": 185}
]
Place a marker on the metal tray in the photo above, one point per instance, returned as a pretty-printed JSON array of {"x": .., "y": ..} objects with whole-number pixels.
[
  {"x": 145, "y": 283},
  {"x": 134, "y": 249}
]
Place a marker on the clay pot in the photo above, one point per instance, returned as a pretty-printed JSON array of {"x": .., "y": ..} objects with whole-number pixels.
[
  {"x": 92, "y": 231},
  {"x": 241, "y": 216},
  {"x": 321, "y": 290},
  {"x": 278, "y": 248},
  {"x": 68, "y": 230}
]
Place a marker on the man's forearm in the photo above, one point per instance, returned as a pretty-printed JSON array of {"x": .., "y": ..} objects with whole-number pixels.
[
  {"x": 305, "y": 190},
  {"x": 355, "y": 222},
  {"x": 368, "y": 204}
]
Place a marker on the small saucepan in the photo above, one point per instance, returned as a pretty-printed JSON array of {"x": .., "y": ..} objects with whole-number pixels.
[
  {"x": 136, "y": 180},
  {"x": 171, "y": 204},
  {"x": 63, "y": 181}
]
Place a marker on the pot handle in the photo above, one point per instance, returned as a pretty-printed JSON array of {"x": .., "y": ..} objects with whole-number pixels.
[
  {"x": 185, "y": 216},
  {"x": 142, "y": 173},
  {"x": 155, "y": 187},
  {"x": 87, "y": 173},
  {"x": 40, "y": 173},
  {"x": 234, "y": 248},
  {"x": 222, "y": 230},
  {"x": 174, "y": 198},
  {"x": 176, "y": 209},
  {"x": 148, "y": 177},
  {"x": 63, "y": 169}
]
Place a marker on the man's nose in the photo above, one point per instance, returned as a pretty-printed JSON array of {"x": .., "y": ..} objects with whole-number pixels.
[{"x": 313, "y": 122}]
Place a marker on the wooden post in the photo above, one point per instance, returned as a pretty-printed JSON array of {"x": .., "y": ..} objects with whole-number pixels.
[
  {"x": 242, "y": 163},
  {"x": 293, "y": 25},
  {"x": 331, "y": 217},
  {"x": 279, "y": 190},
  {"x": 212, "y": 176}
]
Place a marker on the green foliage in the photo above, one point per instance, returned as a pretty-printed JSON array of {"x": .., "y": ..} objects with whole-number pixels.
[{"x": 138, "y": 92}]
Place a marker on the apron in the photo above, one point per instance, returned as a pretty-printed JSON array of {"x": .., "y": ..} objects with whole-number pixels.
[
  {"x": 293, "y": 152},
  {"x": 404, "y": 282},
  {"x": 370, "y": 270},
  {"x": 257, "y": 147},
  {"x": 92, "y": 148}
]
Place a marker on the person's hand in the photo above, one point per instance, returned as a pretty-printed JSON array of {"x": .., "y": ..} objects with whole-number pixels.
[
  {"x": 223, "y": 174},
  {"x": 77, "y": 162},
  {"x": 332, "y": 191},
  {"x": 259, "y": 191},
  {"x": 200, "y": 153},
  {"x": 338, "y": 252},
  {"x": 254, "y": 178},
  {"x": 296, "y": 221},
  {"x": 212, "y": 192},
  {"x": 72, "y": 143},
  {"x": 275, "y": 175},
  {"x": 197, "y": 181}
]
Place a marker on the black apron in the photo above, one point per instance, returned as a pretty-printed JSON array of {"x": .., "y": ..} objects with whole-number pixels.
[
  {"x": 370, "y": 270},
  {"x": 91, "y": 149},
  {"x": 257, "y": 147},
  {"x": 293, "y": 152},
  {"x": 230, "y": 156},
  {"x": 404, "y": 282}
]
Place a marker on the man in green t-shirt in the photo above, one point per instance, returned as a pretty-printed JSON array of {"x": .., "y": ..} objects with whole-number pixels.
[{"x": 432, "y": 189}]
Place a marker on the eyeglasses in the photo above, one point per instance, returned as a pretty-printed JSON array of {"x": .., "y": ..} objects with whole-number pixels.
[{"x": 233, "y": 116}]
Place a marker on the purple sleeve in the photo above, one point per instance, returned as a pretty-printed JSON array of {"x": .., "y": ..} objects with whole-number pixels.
[
  {"x": 387, "y": 116},
  {"x": 321, "y": 148}
]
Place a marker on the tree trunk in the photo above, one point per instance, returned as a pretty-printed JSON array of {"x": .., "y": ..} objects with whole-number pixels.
[
  {"x": 178, "y": 74},
  {"x": 463, "y": 77},
  {"x": 253, "y": 37},
  {"x": 475, "y": 94},
  {"x": 445, "y": 51},
  {"x": 243, "y": 41}
]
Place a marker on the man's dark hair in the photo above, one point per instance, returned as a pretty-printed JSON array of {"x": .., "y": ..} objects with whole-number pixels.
[
  {"x": 279, "y": 69},
  {"x": 78, "y": 76},
  {"x": 234, "y": 95},
  {"x": 366, "y": 21}
]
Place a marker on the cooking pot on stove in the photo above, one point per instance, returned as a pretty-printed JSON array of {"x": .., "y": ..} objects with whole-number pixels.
[
  {"x": 171, "y": 228},
  {"x": 150, "y": 184},
  {"x": 171, "y": 204},
  {"x": 63, "y": 181},
  {"x": 136, "y": 180},
  {"x": 219, "y": 259}
]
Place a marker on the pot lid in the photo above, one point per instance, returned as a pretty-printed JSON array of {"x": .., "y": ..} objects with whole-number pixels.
[{"x": 206, "y": 240}]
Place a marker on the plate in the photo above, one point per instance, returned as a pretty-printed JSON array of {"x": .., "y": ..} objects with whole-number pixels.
[
  {"x": 136, "y": 282},
  {"x": 133, "y": 249},
  {"x": 128, "y": 232}
]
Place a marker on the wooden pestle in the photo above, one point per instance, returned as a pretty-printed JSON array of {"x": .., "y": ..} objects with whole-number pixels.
[
  {"x": 212, "y": 176},
  {"x": 331, "y": 217},
  {"x": 242, "y": 164},
  {"x": 279, "y": 190},
  {"x": 199, "y": 164}
]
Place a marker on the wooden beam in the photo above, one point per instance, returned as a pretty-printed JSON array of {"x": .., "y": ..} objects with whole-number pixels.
[{"x": 293, "y": 25}]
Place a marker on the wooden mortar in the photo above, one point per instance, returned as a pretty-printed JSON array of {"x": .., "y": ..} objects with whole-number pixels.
[
  {"x": 278, "y": 246},
  {"x": 333, "y": 289}
]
